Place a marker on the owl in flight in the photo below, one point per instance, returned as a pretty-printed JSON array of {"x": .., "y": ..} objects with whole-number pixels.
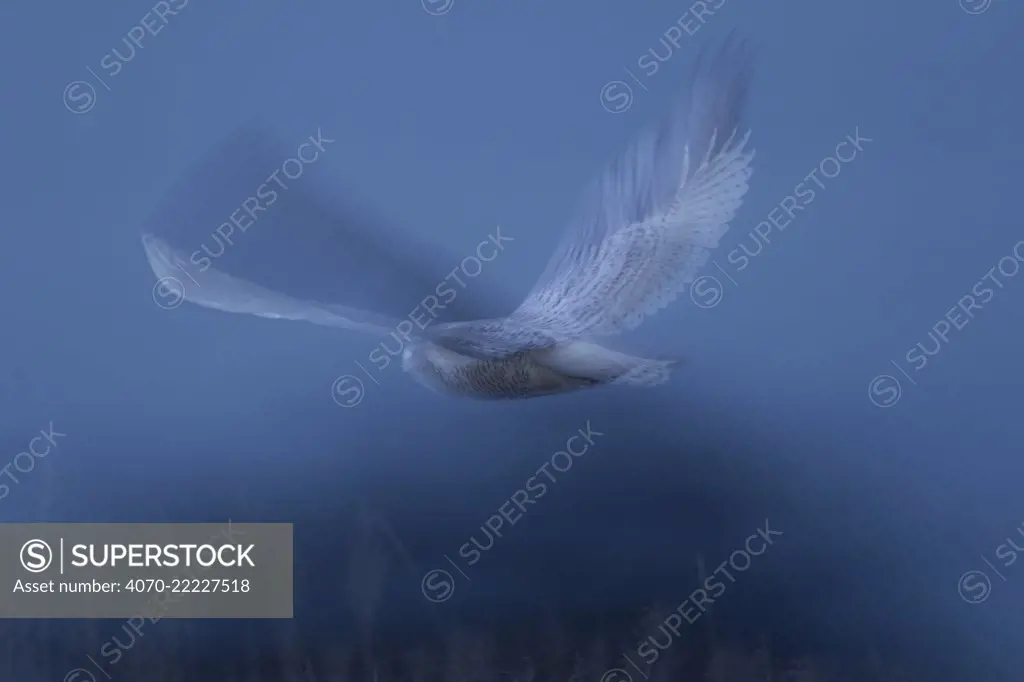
[{"x": 643, "y": 231}]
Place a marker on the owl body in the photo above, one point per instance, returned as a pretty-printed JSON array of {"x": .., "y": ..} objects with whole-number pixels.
[
  {"x": 519, "y": 375},
  {"x": 529, "y": 373}
]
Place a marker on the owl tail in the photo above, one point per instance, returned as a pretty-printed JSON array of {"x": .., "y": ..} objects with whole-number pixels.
[{"x": 597, "y": 363}]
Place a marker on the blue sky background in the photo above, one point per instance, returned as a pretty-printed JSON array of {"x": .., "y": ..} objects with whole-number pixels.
[{"x": 490, "y": 114}]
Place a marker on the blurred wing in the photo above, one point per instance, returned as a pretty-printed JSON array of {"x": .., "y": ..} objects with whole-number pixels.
[
  {"x": 653, "y": 217},
  {"x": 211, "y": 288},
  {"x": 304, "y": 238}
]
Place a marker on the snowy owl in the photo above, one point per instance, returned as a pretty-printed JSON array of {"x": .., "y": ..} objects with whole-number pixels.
[{"x": 644, "y": 230}]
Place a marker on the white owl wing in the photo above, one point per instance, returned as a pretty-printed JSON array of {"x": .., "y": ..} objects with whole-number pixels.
[
  {"x": 305, "y": 247},
  {"x": 211, "y": 288},
  {"x": 653, "y": 217}
]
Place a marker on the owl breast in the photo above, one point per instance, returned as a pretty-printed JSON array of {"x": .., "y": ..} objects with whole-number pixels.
[{"x": 514, "y": 376}]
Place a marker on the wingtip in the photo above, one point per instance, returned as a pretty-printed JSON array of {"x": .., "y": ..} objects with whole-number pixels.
[
  {"x": 159, "y": 256},
  {"x": 151, "y": 244},
  {"x": 737, "y": 52}
]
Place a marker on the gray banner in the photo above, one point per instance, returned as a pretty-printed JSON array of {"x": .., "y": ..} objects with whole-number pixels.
[{"x": 145, "y": 570}]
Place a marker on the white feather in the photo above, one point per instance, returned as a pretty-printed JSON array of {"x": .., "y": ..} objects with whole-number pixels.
[
  {"x": 653, "y": 217},
  {"x": 211, "y": 288}
]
